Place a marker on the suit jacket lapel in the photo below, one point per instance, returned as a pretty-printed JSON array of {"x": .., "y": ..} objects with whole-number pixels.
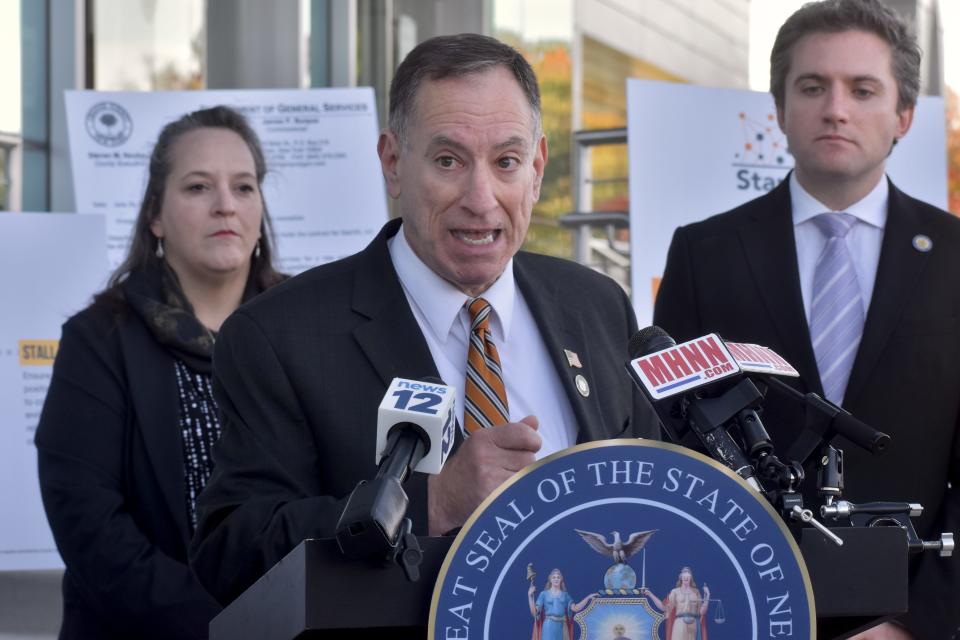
[
  {"x": 153, "y": 389},
  {"x": 561, "y": 328},
  {"x": 899, "y": 268},
  {"x": 391, "y": 339},
  {"x": 770, "y": 247}
]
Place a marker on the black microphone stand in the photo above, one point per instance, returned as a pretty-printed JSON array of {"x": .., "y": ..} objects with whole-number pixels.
[
  {"x": 374, "y": 522},
  {"x": 732, "y": 421},
  {"x": 824, "y": 422}
]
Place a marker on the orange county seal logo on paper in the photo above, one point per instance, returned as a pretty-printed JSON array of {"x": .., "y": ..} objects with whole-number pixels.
[
  {"x": 108, "y": 124},
  {"x": 623, "y": 540}
]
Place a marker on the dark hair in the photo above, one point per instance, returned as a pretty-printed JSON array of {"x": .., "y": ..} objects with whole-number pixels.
[
  {"x": 835, "y": 16},
  {"x": 453, "y": 57},
  {"x": 143, "y": 246}
]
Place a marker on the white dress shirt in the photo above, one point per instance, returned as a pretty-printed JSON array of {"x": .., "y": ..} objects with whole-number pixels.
[
  {"x": 863, "y": 239},
  {"x": 530, "y": 377}
]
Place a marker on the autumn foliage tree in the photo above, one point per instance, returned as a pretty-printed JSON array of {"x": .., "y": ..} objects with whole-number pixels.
[
  {"x": 953, "y": 151},
  {"x": 554, "y": 68}
]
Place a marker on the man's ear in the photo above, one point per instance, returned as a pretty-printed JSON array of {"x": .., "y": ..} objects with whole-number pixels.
[
  {"x": 781, "y": 119},
  {"x": 388, "y": 148},
  {"x": 539, "y": 164},
  {"x": 904, "y": 120}
]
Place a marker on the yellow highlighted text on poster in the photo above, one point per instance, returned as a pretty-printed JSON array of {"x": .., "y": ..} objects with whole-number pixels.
[{"x": 37, "y": 352}]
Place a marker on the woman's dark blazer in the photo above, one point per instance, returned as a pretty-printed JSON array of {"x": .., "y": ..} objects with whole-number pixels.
[{"x": 111, "y": 474}]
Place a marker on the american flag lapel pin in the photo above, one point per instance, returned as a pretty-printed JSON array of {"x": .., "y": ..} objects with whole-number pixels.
[{"x": 573, "y": 359}]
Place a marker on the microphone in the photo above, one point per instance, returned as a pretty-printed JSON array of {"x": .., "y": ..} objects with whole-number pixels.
[
  {"x": 675, "y": 379},
  {"x": 835, "y": 420},
  {"x": 701, "y": 363},
  {"x": 415, "y": 425},
  {"x": 415, "y": 431}
]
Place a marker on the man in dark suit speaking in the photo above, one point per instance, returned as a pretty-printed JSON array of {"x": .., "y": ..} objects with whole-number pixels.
[
  {"x": 299, "y": 374},
  {"x": 851, "y": 280}
]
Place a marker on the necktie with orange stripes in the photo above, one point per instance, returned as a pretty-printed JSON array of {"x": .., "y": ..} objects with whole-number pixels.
[{"x": 485, "y": 397}]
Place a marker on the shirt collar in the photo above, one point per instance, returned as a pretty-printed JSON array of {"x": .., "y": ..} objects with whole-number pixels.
[
  {"x": 439, "y": 301},
  {"x": 871, "y": 209}
]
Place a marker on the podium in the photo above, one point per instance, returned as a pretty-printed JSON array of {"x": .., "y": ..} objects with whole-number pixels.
[
  {"x": 859, "y": 582},
  {"x": 315, "y": 592}
]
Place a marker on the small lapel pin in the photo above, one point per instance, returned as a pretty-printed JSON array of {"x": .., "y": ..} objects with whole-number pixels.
[
  {"x": 582, "y": 385},
  {"x": 922, "y": 243},
  {"x": 573, "y": 359}
]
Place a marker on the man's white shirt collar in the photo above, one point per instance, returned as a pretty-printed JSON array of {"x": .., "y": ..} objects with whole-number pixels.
[
  {"x": 871, "y": 209},
  {"x": 440, "y": 302}
]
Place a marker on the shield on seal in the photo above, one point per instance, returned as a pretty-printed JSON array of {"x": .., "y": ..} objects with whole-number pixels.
[{"x": 619, "y": 617}]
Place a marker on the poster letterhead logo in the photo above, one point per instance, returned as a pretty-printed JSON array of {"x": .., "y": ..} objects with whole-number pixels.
[
  {"x": 109, "y": 124},
  {"x": 680, "y": 540}
]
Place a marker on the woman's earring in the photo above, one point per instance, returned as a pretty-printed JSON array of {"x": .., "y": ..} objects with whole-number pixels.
[
  {"x": 159, "y": 251},
  {"x": 256, "y": 252}
]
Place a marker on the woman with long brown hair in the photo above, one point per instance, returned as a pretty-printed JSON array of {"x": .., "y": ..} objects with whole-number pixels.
[{"x": 129, "y": 421}]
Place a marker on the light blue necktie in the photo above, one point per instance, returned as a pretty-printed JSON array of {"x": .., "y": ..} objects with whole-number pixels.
[{"x": 836, "y": 318}]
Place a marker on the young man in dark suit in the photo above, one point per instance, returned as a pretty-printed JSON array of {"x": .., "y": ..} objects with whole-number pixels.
[
  {"x": 851, "y": 280},
  {"x": 299, "y": 374}
]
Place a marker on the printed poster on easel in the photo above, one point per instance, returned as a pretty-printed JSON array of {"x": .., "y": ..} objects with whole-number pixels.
[
  {"x": 54, "y": 263},
  {"x": 324, "y": 189}
]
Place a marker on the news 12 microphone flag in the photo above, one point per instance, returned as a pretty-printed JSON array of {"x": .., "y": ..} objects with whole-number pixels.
[
  {"x": 699, "y": 151},
  {"x": 428, "y": 408},
  {"x": 622, "y": 524}
]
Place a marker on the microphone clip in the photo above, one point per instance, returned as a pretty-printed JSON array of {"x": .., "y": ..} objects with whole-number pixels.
[{"x": 749, "y": 450}]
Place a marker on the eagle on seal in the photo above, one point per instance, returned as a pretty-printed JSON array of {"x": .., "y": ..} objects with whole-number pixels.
[{"x": 618, "y": 550}]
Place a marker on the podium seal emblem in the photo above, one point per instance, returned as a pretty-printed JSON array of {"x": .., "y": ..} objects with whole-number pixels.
[{"x": 623, "y": 540}]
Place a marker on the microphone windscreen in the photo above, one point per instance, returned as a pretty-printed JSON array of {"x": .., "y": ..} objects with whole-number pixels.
[{"x": 649, "y": 340}]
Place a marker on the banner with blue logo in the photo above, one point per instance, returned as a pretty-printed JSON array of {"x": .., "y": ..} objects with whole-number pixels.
[
  {"x": 626, "y": 540},
  {"x": 697, "y": 151}
]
